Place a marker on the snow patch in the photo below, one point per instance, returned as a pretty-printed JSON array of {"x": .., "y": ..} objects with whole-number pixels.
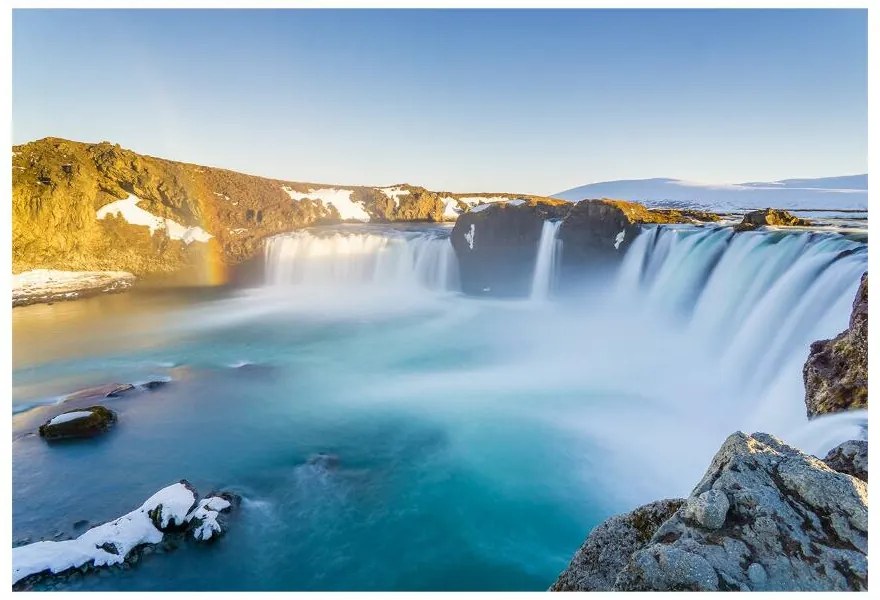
[
  {"x": 340, "y": 199},
  {"x": 469, "y": 237},
  {"x": 70, "y": 416},
  {"x": 395, "y": 193},
  {"x": 480, "y": 208},
  {"x": 129, "y": 210},
  {"x": 618, "y": 239},
  {"x": 238, "y": 231},
  {"x": 224, "y": 196},
  {"x": 517, "y": 202},
  {"x": 206, "y": 514},
  {"x": 47, "y": 283}
]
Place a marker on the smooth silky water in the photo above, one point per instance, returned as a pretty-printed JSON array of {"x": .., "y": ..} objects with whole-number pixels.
[{"x": 479, "y": 440}]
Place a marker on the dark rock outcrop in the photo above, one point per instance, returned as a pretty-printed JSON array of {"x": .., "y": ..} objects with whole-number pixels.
[
  {"x": 80, "y": 423},
  {"x": 836, "y": 371},
  {"x": 497, "y": 245},
  {"x": 765, "y": 516},
  {"x": 851, "y": 458},
  {"x": 772, "y": 217}
]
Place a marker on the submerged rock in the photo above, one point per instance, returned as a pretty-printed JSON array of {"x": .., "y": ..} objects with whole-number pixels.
[
  {"x": 80, "y": 423},
  {"x": 765, "y": 516},
  {"x": 836, "y": 371},
  {"x": 172, "y": 511},
  {"x": 772, "y": 217},
  {"x": 324, "y": 460},
  {"x": 851, "y": 458}
]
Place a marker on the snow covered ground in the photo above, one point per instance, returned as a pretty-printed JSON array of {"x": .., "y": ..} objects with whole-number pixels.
[
  {"x": 129, "y": 210},
  {"x": 340, "y": 198},
  {"x": 841, "y": 193},
  {"x": 46, "y": 285}
]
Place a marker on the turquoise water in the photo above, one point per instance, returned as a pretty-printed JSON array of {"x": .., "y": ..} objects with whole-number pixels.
[{"x": 479, "y": 441}]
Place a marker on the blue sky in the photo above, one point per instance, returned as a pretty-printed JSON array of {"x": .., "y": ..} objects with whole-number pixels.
[{"x": 530, "y": 101}]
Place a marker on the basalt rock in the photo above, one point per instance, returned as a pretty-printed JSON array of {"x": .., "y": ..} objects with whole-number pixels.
[
  {"x": 772, "y": 217},
  {"x": 765, "y": 516},
  {"x": 836, "y": 371},
  {"x": 497, "y": 245},
  {"x": 80, "y": 423}
]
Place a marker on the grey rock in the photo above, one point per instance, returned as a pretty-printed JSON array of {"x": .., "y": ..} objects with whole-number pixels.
[
  {"x": 792, "y": 523},
  {"x": 610, "y": 545},
  {"x": 851, "y": 458},
  {"x": 709, "y": 509}
]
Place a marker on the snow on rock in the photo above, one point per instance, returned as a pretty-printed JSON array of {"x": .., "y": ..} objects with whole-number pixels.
[
  {"x": 339, "y": 198},
  {"x": 480, "y": 207},
  {"x": 618, "y": 239},
  {"x": 395, "y": 193},
  {"x": 70, "y": 416},
  {"x": 166, "y": 511},
  {"x": 110, "y": 543},
  {"x": 469, "y": 236},
  {"x": 129, "y": 210},
  {"x": 517, "y": 202},
  {"x": 205, "y": 517},
  {"x": 224, "y": 196},
  {"x": 44, "y": 285}
]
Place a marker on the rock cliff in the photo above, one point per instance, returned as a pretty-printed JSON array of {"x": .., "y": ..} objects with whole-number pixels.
[{"x": 836, "y": 371}]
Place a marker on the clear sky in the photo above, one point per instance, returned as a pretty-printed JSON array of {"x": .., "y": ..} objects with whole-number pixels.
[{"x": 531, "y": 101}]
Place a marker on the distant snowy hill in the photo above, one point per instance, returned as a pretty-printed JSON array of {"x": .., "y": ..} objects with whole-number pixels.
[{"x": 842, "y": 193}]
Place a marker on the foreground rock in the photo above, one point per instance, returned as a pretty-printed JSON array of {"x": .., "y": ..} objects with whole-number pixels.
[
  {"x": 772, "y": 217},
  {"x": 851, "y": 458},
  {"x": 174, "y": 510},
  {"x": 45, "y": 285},
  {"x": 81, "y": 423},
  {"x": 765, "y": 516},
  {"x": 610, "y": 545},
  {"x": 836, "y": 371}
]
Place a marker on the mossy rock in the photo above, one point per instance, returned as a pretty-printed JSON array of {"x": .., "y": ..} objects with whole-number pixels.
[{"x": 79, "y": 423}]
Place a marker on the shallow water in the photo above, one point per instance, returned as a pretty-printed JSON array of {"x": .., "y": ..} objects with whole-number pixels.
[{"x": 479, "y": 440}]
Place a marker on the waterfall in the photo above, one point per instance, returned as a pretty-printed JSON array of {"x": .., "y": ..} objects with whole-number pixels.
[
  {"x": 338, "y": 259},
  {"x": 752, "y": 301},
  {"x": 545, "y": 262}
]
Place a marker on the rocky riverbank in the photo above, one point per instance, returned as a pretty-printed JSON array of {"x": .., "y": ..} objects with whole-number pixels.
[{"x": 765, "y": 516}]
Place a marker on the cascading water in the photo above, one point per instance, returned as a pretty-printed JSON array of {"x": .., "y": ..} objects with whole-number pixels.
[
  {"x": 390, "y": 259},
  {"x": 545, "y": 262}
]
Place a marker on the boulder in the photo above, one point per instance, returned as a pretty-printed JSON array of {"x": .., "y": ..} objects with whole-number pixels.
[
  {"x": 80, "y": 423},
  {"x": 765, "y": 516},
  {"x": 836, "y": 371},
  {"x": 609, "y": 546},
  {"x": 770, "y": 216},
  {"x": 496, "y": 245},
  {"x": 851, "y": 458}
]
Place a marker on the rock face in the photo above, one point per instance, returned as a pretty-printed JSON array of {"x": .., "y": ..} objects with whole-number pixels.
[
  {"x": 172, "y": 511},
  {"x": 851, "y": 458},
  {"x": 610, "y": 545},
  {"x": 764, "y": 517},
  {"x": 80, "y": 423},
  {"x": 836, "y": 371},
  {"x": 497, "y": 246},
  {"x": 772, "y": 217}
]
